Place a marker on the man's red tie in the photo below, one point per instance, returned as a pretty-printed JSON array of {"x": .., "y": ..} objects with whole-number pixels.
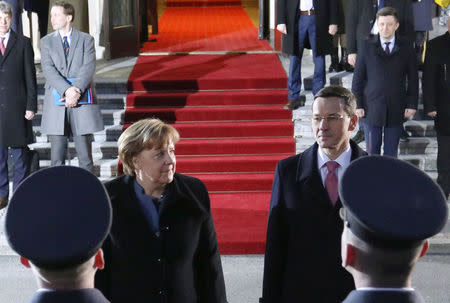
[
  {"x": 331, "y": 181},
  {"x": 2, "y": 45}
]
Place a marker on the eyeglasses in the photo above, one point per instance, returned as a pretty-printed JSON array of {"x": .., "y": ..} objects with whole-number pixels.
[{"x": 330, "y": 119}]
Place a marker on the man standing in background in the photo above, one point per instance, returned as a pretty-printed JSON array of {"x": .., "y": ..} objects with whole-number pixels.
[
  {"x": 436, "y": 97},
  {"x": 306, "y": 24},
  {"x": 68, "y": 63},
  {"x": 18, "y": 101},
  {"x": 386, "y": 85}
]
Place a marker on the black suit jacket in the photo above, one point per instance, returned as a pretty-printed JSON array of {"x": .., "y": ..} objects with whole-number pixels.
[
  {"x": 88, "y": 295},
  {"x": 378, "y": 296},
  {"x": 303, "y": 250},
  {"x": 18, "y": 91},
  {"x": 360, "y": 18},
  {"x": 384, "y": 85},
  {"x": 181, "y": 266},
  {"x": 436, "y": 82},
  {"x": 326, "y": 13}
]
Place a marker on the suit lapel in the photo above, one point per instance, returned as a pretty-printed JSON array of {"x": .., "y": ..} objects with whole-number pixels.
[
  {"x": 11, "y": 42},
  {"x": 308, "y": 174},
  {"x": 58, "y": 45},
  {"x": 73, "y": 45}
]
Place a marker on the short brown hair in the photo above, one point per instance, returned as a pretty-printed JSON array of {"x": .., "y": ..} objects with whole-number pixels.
[
  {"x": 348, "y": 99},
  {"x": 388, "y": 11},
  {"x": 144, "y": 134},
  {"x": 68, "y": 8},
  {"x": 6, "y": 8}
]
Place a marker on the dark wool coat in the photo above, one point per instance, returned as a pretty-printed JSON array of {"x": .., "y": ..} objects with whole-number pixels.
[
  {"x": 436, "y": 82},
  {"x": 384, "y": 85},
  {"x": 87, "y": 295},
  {"x": 423, "y": 14},
  {"x": 400, "y": 296},
  {"x": 18, "y": 91},
  {"x": 326, "y": 12},
  {"x": 361, "y": 17},
  {"x": 303, "y": 252},
  {"x": 181, "y": 266}
]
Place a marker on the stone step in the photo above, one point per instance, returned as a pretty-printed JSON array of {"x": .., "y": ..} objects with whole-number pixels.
[
  {"x": 105, "y": 169},
  {"x": 425, "y": 163},
  {"x": 110, "y": 133},
  {"x": 100, "y": 150},
  {"x": 110, "y": 117}
]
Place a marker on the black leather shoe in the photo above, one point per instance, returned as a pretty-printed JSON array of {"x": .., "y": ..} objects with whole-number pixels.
[
  {"x": 359, "y": 137},
  {"x": 294, "y": 104},
  {"x": 404, "y": 137}
]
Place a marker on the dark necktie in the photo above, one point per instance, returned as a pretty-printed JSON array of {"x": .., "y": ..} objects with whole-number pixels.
[
  {"x": 387, "y": 49},
  {"x": 380, "y": 4},
  {"x": 66, "y": 46},
  {"x": 331, "y": 181},
  {"x": 2, "y": 46}
]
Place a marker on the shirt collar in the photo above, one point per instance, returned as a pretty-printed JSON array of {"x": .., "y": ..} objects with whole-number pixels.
[
  {"x": 68, "y": 35},
  {"x": 6, "y": 35},
  {"x": 343, "y": 159},
  {"x": 383, "y": 41}
]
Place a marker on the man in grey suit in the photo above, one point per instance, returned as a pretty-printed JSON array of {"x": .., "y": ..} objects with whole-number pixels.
[{"x": 68, "y": 63}]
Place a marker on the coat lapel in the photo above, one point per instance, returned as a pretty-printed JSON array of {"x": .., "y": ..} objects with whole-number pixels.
[
  {"x": 11, "y": 42},
  {"x": 308, "y": 174},
  {"x": 73, "y": 45}
]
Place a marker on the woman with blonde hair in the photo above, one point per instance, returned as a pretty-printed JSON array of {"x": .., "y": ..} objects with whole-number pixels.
[{"x": 162, "y": 246}]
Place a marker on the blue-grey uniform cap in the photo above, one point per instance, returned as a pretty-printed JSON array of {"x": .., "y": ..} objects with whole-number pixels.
[
  {"x": 390, "y": 203},
  {"x": 58, "y": 217}
]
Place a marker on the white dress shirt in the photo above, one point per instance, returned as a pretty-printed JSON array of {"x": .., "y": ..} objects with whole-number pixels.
[
  {"x": 343, "y": 160},
  {"x": 68, "y": 35},
  {"x": 5, "y": 42},
  {"x": 306, "y": 5},
  {"x": 391, "y": 45},
  {"x": 374, "y": 30}
]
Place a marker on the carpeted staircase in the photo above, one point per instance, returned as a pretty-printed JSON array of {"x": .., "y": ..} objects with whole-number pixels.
[{"x": 229, "y": 112}]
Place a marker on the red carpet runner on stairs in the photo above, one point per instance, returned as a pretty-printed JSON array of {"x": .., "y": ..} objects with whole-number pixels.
[
  {"x": 229, "y": 112},
  {"x": 191, "y": 29}
]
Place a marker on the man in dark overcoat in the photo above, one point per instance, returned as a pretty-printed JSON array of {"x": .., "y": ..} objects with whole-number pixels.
[
  {"x": 386, "y": 85},
  {"x": 361, "y": 22},
  {"x": 18, "y": 101},
  {"x": 306, "y": 24},
  {"x": 302, "y": 259},
  {"x": 436, "y": 97}
]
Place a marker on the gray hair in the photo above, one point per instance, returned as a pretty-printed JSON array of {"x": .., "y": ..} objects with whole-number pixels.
[{"x": 5, "y": 8}]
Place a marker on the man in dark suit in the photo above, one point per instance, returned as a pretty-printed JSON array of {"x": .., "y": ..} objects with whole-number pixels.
[
  {"x": 361, "y": 22},
  {"x": 69, "y": 54},
  {"x": 386, "y": 231},
  {"x": 302, "y": 260},
  {"x": 306, "y": 24},
  {"x": 18, "y": 101},
  {"x": 386, "y": 85},
  {"x": 361, "y": 25},
  {"x": 436, "y": 97},
  {"x": 45, "y": 230}
]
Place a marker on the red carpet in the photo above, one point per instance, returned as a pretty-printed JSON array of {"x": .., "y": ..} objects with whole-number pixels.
[
  {"x": 184, "y": 3},
  {"x": 190, "y": 29},
  {"x": 229, "y": 112}
]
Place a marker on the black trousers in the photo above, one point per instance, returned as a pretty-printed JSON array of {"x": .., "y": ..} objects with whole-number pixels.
[{"x": 443, "y": 163}]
